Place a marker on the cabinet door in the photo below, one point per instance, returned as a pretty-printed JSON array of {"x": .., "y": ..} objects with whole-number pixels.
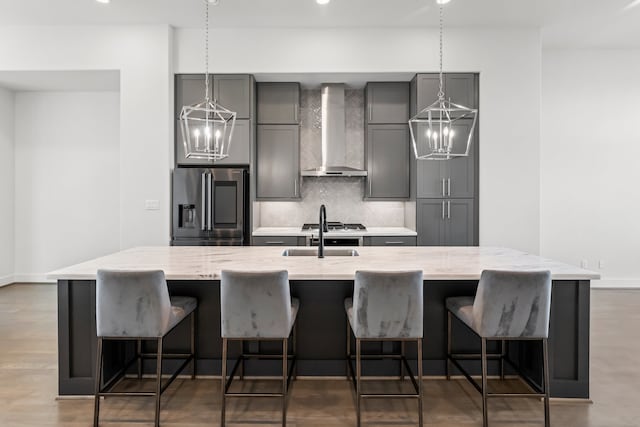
[
  {"x": 278, "y": 103},
  {"x": 427, "y": 87},
  {"x": 460, "y": 172},
  {"x": 278, "y": 162},
  {"x": 388, "y": 163},
  {"x": 189, "y": 90},
  {"x": 459, "y": 222},
  {"x": 430, "y": 222},
  {"x": 388, "y": 103},
  {"x": 239, "y": 152},
  {"x": 233, "y": 92},
  {"x": 461, "y": 89},
  {"x": 431, "y": 180}
]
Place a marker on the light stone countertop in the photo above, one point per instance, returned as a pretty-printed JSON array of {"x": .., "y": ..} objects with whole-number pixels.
[
  {"x": 370, "y": 231},
  {"x": 206, "y": 262}
]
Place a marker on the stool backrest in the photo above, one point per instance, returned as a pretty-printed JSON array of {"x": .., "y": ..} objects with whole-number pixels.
[
  {"x": 132, "y": 303},
  {"x": 255, "y": 304},
  {"x": 388, "y": 304},
  {"x": 513, "y": 304}
]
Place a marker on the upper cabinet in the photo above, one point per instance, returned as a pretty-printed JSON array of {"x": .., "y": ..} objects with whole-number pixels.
[
  {"x": 387, "y": 103},
  {"x": 459, "y": 88},
  {"x": 388, "y": 162},
  {"x": 278, "y": 103},
  {"x": 233, "y": 91},
  {"x": 278, "y": 162}
]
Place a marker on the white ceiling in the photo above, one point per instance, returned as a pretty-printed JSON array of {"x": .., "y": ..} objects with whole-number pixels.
[
  {"x": 64, "y": 81},
  {"x": 598, "y": 23}
]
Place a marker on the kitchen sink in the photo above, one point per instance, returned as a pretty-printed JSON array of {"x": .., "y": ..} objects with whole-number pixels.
[{"x": 314, "y": 252}]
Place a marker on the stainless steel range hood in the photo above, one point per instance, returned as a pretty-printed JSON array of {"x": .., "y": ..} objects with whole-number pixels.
[{"x": 333, "y": 135}]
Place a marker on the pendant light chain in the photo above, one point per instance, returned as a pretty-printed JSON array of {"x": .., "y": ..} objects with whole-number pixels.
[
  {"x": 441, "y": 92},
  {"x": 206, "y": 49}
]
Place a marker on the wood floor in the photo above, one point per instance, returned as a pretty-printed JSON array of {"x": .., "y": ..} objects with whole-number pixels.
[{"x": 28, "y": 375}]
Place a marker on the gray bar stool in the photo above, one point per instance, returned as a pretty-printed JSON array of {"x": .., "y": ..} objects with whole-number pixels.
[
  {"x": 508, "y": 306},
  {"x": 135, "y": 305},
  {"x": 386, "y": 306},
  {"x": 257, "y": 306}
]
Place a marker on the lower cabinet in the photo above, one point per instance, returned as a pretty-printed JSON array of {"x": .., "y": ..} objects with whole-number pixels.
[
  {"x": 279, "y": 241},
  {"x": 389, "y": 241},
  {"x": 446, "y": 222}
]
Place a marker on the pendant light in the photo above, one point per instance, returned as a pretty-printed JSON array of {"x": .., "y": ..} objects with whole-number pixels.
[
  {"x": 207, "y": 127},
  {"x": 443, "y": 130}
]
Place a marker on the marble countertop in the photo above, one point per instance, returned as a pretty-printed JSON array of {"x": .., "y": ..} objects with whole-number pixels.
[
  {"x": 206, "y": 262},
  {"x": 370, "y": 231}
]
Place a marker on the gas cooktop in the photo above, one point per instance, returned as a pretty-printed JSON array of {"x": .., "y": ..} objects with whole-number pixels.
[{"x": 335, "y": 226}]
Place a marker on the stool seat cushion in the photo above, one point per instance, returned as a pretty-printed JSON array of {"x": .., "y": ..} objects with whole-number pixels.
[
  {"x": 462, "y": 308},
  {"x": 181, "y": 307},
  {"x": 386, "y": 305}
]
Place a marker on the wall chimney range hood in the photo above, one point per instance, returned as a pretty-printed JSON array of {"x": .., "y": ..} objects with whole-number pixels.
[{"x": 333, "y": 136}]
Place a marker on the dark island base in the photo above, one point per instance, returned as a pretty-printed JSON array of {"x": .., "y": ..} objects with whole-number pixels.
[{"x": 322, "y": 336}]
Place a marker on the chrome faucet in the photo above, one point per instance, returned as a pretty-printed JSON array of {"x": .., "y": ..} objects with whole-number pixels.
[{"x": 322, "y": 228}]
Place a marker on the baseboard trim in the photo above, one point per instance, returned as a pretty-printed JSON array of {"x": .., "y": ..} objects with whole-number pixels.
[
  {"x": 31, "y": 278},
  {"x": 616, "y": 284},
  {"x": 6, "y": 280}
]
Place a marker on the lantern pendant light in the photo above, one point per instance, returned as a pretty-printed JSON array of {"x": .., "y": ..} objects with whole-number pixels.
[
  {"x": 443, "y": 130},
  {"x": 207, "y": 127}
]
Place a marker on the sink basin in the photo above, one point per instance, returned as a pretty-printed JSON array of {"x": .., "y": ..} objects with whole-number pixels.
[{"x": 314, "y": 252}]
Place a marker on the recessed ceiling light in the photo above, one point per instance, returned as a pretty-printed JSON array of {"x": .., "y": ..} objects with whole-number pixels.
[
  {"x": 442, "y": 1},
  {"x": 103, "y": 1},
  {"x": 322, "y": 1}
]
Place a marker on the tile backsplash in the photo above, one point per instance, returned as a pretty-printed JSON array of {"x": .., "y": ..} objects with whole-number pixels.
[{"x": 343, "y": 196}]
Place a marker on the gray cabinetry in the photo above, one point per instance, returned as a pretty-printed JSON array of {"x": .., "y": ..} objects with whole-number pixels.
[
  {"x": 279, "y": 241},
  {"x": 389, "y": 241},
  {"x": 460, "y": 88},
  {"x": 449, "y": 178},
  {"x": 388, "y": 162},
  {"x": 278, "y": 103},
  {"x": 190, "y": 90},
  {"x": 234, "y": 92},
  {"x": 387, "y": 103},
  {"x": 278, "y": 162},
  {"x": 446, "y": 222},
  {"x": 239, "y": 152}
]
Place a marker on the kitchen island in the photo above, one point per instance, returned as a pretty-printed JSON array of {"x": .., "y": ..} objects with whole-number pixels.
[{"x": 322, "y": 285}]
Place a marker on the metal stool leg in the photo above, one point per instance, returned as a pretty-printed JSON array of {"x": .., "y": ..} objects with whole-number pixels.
[
  {"x": 139, "y": 351},
  {"x": 285, "y": 354},
  {"x": 158, "y": 381},
  {"x": 223, "y": 377},
  {"x": 241, "y": 375},
  {"x": 295, "y": 351},
  {"x": 193, "y": 344},
  {"x": 448, "y": 361},
  {"x": 503, "y": 353},
  {"x": 402, "y": 351},
  {"x": 485, "y": 418},
  {"x": 420, "y": 385},
  {"x": 358, "y": 382},
  {"x": 96, "y": 410},
  {"x": 545, "y": 367},
  {"x": 348, "y": 351}
]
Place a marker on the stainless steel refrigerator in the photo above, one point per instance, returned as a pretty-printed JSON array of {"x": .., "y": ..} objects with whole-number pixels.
[{"x": 210, "y": 207}]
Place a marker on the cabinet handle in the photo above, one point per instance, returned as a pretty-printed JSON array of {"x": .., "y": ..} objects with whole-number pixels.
[
  {"x": 449, "y": 209},
  {"x": 203, "y": 200},
  {"x": 274, "y": 243},
  {"x": 295, "y": 114},
  {"x": 444, "y": 193},
  {"x": 393, "y": 243},
  {"x": 370, "y": 188},
  {"x": 448, "y": 186},
  {"x": 295, "y": 187},
  {"x": 370, "y": 112},
  {"x": 443, "y": 209}
]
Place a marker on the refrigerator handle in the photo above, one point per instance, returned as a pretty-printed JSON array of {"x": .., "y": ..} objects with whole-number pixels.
[
  {"x": 203, "y": 201},
  {"x": 210, "y": 195}
]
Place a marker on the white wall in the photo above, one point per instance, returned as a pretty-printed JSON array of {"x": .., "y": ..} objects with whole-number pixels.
[
  {"x": 509, "y": 66},
  {"x": 67, "y": 179},
  {"x": 142, "y": 55},
  {"x": 590, "y": 204},
  {"x": 6, "y": 186}
]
